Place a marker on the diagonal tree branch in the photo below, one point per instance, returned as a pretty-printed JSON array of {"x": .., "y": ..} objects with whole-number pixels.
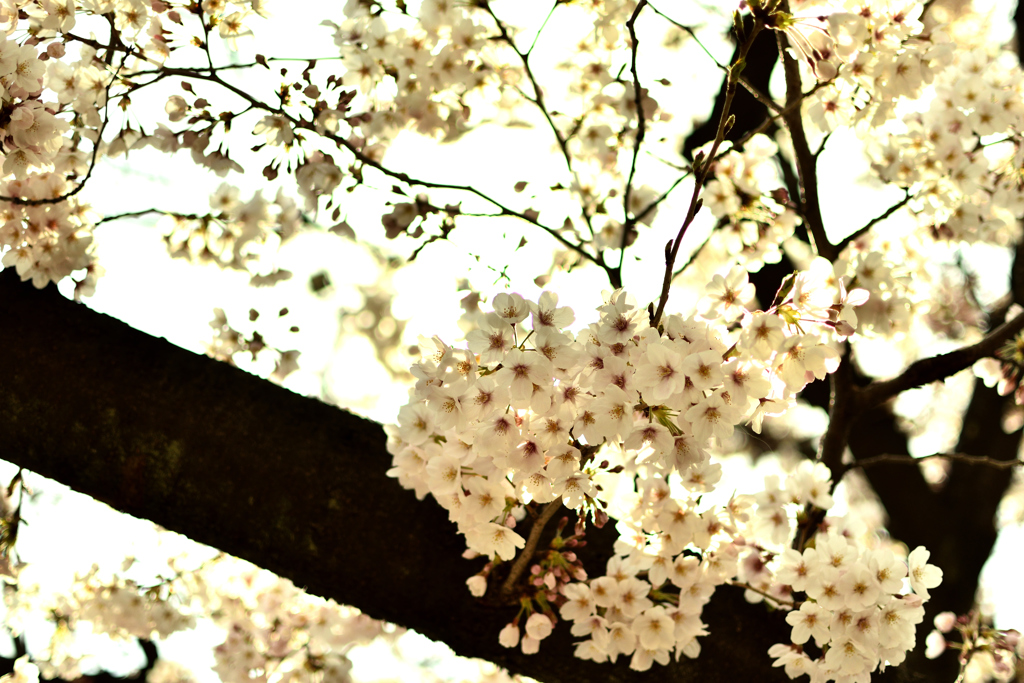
[{"x": 938, "y": 367}]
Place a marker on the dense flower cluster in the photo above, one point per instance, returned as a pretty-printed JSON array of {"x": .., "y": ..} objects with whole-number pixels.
[
  {"x": 855, "y": 609},
  {"x": 532, "y": 413}
]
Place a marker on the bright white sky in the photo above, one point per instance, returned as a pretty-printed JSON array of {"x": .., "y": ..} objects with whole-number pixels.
[{"x": 175, "y": 300}]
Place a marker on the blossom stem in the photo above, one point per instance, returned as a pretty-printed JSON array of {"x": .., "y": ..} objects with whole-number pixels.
[
  {"x": 521, "y": 563},
  {"x": 777, "y": 600},
  {"x": 806, "y": 163},
  {"x": 957, "y": 457},
  {"x": 702, "y": 169}
]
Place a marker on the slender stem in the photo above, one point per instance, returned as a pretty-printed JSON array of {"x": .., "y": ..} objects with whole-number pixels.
[
  {"x": 806, "y": 166},
  {"x": 95, "y": 147},
  {"x": 957, "y": 457},
  {"x": 776, "y": 600},
  {"x": 641, "y": 129},
  {"x": 874, "y": 221},
  {"x": 526, "y": 555},
  {"x": 702, "y": 169},
  {"x": 538, "y": 101}
]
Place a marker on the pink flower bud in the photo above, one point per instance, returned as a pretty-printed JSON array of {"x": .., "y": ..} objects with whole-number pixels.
[
  {"x": 945, "y": 621},
  {"x": 509, "y": 636}
]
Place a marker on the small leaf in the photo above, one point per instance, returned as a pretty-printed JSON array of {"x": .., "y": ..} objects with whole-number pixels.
[
  {"x": 520, "y": 186},
  {"x": 186, "y": 86},
  {"x": 343, "y": 229},
  {"x": 253, "y": 315}
]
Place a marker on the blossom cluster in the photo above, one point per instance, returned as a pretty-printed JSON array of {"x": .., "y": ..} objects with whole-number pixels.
[
  {"x": 272, "y": 630},
  {"x": 535, "y": 414},
  {"x": 856, "y": 609}
]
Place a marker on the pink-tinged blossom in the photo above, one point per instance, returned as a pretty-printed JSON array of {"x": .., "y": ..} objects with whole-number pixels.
[
  {"x": 810, "y": 483},
  {"x": 823, "y": 586},
  {"x": 521, "y": 370},
  {"x": 621, "y": 639},
  {"x": 794, "y": 660},
  {"x": 510, "y": 307},
  {"x": 704, "y": 369},
  {"x": 744, "y": 382},
  {"x": 492, "y": 340},
  {"x": 494, "y": 539},
  {"x": 574, "y": 489},
  {"x": 795, "y": 568},
  {"x": 763, "y": 336},
  {"x": 580, "y": 602},
  {"x": 547, "y": 315},
  {"x": 923, "y": 576},
  {"x": 509, "y": 636},
  {"x": 651, "y": 437},
  {"x": 711, "y": 418},
  {"x": 659, "y": 374},
  {"x": 810, "y": 620},
  {"x": 538, "y": 626},
  {"x": 477, "y": 585},
  {"x": 613, "y": 412},
  {"x": 888, "y": 570},
  {"x": 415, "y": 423},
  {"x": 727, "y": 296},
  {"x": 486, "y": 497},
  {"x": 620, "y": 318},
  {"x": 860, "y": 587},
  {"x": 801, "y": 359}
]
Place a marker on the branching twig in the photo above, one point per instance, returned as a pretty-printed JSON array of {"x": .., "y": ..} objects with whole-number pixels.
[
  {"x": 776, "y": 600},
  {"x": 526, "y": 554},
  {"x": 638, "y": 139},
  {"x": 873, "y": 222},
  {"x": 958, "y": 457},
  {"x": 805, "y": 161},
  {"x": 702, "y": 168},
  {"x": 143, "y": 212},
  {"x": 95, "y": 148},
  {"x": 538, "y": 101}
]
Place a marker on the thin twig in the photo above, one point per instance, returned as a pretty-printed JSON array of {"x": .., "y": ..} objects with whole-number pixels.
[
  {"x": 526, "y": 555},
  {"x": 873, "y": 222},
  {"x": 702, "y": 168},
  {"x": 776, "y": 600},
  {"x": 638, "y": 139},
  {"x": 143, "y": 212},
  {"x": 986, "y": 460},
  {"x": 806, "y": 167},
  {"x": 95, "y": 148},
  {"x": 538, "y": 101}
]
